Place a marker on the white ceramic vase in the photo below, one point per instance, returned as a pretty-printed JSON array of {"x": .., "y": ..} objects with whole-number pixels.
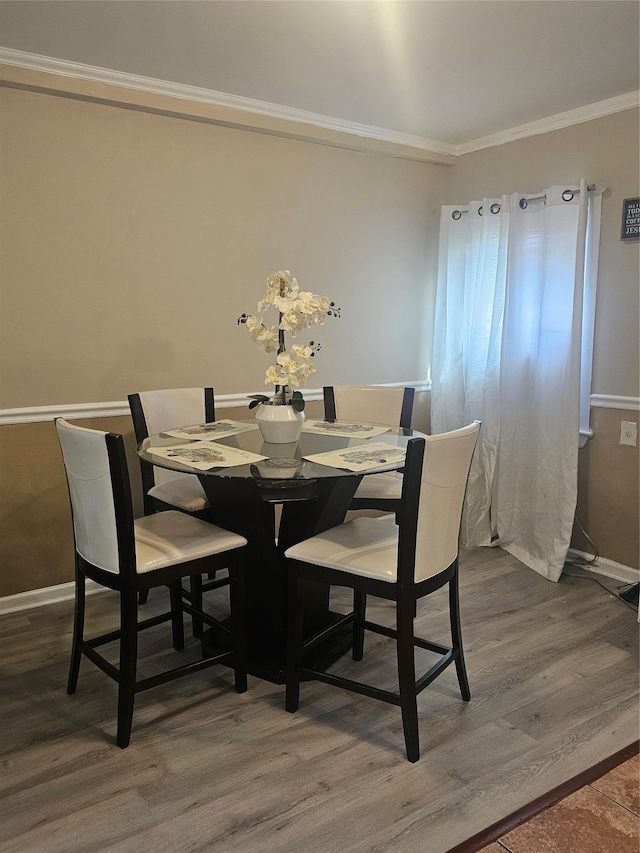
[{"x": 279, "y": 424}]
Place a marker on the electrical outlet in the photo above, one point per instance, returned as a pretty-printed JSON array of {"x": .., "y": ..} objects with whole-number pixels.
[{"x": 629, "y": 433}]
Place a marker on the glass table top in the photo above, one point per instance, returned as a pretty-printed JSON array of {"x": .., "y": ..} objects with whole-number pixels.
[{"x": 283, "y": 462}]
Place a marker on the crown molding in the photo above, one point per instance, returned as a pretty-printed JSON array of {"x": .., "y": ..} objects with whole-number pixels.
[
  {"x": 247, "y": 110},
  {"x": 194, "y": 94},
  {"x": 555, "y": 122}
]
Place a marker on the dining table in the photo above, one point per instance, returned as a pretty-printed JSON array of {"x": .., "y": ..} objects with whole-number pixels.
[{"x": 312, "y": 481}]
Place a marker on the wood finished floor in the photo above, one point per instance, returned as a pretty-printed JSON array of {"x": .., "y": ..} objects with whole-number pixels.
[{"x": 553, "y": 671}]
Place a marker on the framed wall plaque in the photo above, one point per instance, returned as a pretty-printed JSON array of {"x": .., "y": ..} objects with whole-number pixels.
[{"x": 630, "y": 219}]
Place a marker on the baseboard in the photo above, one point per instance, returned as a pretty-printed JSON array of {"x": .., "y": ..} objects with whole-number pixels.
[
  {"x": 46, "y": 595},
  {"x": 606, "y": 568},
  {"x": 66, "y": 591}
]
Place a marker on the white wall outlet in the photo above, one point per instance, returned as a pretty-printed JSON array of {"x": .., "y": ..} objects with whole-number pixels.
[{"x": 629, "y": 433}]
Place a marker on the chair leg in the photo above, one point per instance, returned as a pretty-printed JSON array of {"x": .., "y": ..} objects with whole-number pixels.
[
  {"x": 294, "y": 640},
  {"x": 237, "y": 597},
  {"x": 456, "y": 635},
  {"x": 177, "y": 622},
  {"x": 407, "y": 678},
  {"x": 196, "y": 603},
  {"x": 128, "y": 660},
  {"x": 143, "y": 595},
  {"x": 359, "y": 610},
  {"x": 78, "y": 631}
]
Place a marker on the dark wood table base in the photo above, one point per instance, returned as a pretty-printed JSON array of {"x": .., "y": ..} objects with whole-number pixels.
[{"x": 247, "y": 507}]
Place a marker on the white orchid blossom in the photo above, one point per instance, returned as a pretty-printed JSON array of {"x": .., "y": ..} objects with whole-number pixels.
[
  {"x": 302, "y": 351},
  {"x": 314, "y": 307},
  {"x": 273, "y": 375},
  {"x": 295, "y": 373},
  {"x": 297, "y": 310},
  {"x": 292, "y": 321},
  {"x": 266, "y": 337}
]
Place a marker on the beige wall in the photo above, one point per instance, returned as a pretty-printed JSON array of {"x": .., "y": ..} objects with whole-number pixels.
[
  {"x": 608, "y": 491},
  {"x": 131, "y": 243}
]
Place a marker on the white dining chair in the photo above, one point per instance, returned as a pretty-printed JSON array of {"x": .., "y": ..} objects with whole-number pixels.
[
  {"x": 398, "y": 562},
  {"x": 158, "y": 411},
  {"x": 373, "y": 404},
  {"x": 129, "y": 556}
]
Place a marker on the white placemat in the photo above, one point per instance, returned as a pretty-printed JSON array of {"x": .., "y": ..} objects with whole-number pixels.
[
  {"x": 204, "y": 455},
  {"x": 363, "y": 457},
  {"x": 344, "y": 430},
  {"x": 211, "y": 431}
]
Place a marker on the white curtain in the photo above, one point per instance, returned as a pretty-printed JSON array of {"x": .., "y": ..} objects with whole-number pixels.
[{"x": 515, "y": 275}]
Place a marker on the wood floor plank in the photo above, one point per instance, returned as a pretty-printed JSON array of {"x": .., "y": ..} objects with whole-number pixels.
[{"x": 554, "y": 690}]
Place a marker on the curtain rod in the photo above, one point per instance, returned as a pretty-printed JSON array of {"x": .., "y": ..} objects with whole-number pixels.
[{"x": 567, "y": 195}]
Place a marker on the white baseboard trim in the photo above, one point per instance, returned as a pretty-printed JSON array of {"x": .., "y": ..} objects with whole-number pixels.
[
  {"x": 46, "y": 595},
  {"x": 607, "y": 568},
  {"x": 66, "y": 591}
]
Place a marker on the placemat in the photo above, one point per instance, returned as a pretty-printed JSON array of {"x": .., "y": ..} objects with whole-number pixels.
[
  {"x": 363, "y": 457},
  {"x": 204, "y": 455},
  {"x": 345, "y": 430},
  {"x": 211, "y": 431}
]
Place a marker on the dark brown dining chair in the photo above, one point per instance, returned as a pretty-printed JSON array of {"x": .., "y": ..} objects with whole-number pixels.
[
  {"x": 372, "y": 404},
  {"x": 158, "y": 411},
  {"x": 130, "y": 556},
  {"x": 399, "y": 562}
]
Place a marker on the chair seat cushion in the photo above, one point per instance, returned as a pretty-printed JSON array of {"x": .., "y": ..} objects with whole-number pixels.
[
  {"x": 365, "y": 546},
  {"x": 387, "y": 486},
  {"x": 171, "y": 537},
  {"x": 184, "y": 491}
]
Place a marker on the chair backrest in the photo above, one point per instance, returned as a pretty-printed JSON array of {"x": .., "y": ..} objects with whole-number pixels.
[
  {"x": 158, "y": 411},
  {"x": 168, "y": 408},
  {"x": 374, "y": 404},
  {"x": 433, "y": 493},
  {"x": 100, "y": 496}
]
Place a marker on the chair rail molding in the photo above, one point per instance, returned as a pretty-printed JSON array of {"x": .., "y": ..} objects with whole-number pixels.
[
  {"x": 609, "y": 401},
  {"x": 39, "y": 414}
]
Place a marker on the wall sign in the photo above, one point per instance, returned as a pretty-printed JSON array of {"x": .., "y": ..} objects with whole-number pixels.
[{"x": 630, "y": 219}]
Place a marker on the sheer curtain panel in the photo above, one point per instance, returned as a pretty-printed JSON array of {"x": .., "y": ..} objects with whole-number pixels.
[{"x": 512, "y": 348}]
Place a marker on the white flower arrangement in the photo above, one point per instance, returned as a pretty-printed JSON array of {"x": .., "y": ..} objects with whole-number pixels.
[{"x": 297, "y": 310}]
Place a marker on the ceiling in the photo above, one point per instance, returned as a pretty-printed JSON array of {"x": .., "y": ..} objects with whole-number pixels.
[{"x": 448, "y": 70}]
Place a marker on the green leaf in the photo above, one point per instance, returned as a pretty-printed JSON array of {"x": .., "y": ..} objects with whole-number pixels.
[
  {"x": 297, "y": 401},
  {"x": 256, "y": 399}
]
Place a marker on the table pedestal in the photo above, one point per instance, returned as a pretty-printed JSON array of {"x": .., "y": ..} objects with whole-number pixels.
[{"x": 247, "y": 507}]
